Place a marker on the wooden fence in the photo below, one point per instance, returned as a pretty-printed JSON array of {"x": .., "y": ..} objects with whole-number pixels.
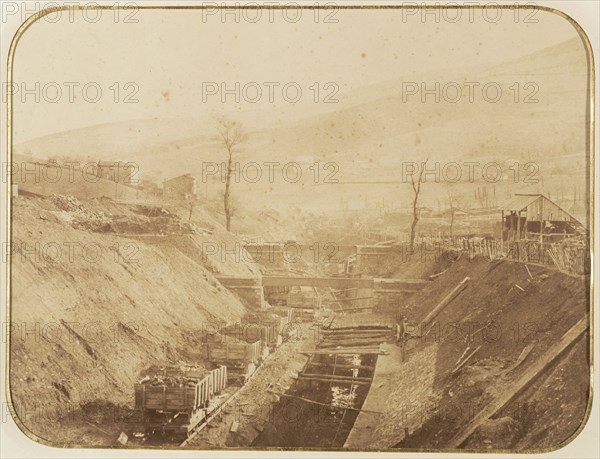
[{"x": 568, "y": 256}]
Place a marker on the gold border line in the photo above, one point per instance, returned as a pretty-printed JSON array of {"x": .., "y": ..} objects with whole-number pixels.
[{"x": 590, "y": 117}]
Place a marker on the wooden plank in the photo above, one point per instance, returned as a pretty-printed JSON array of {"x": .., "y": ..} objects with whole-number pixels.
[
  {"x": 340, "y": 300},
  {"x": 433, "y": 276},
  {"x": 322, "y": 282},
  {"x": 464, "y": 362},
  {"x": 522, "y": 356},
  {"x": 323, "y": 375},
  {"x": 354, "y": 342},
  {"x": 334, "y": 380},
  {"x": 522, "y": 383},
  {"x": 350, "y": 343},
  {"x": 354, "y": 309},
  {"x": 330, "y": 405},
  {"x": 335, "y": 282},
  {"x": 349, "y": 348},
  {"x": 362, "y": 327},
  {"x": 337, "y": 344},
  {"x": 346, "y": 290},
  {"x": 340, "y": 365},
  {"x": 335, "y": 332},
  {"x": 445, "y": 302},
  {"x": 344, "y": 339},
  {"x": 345, "y": 351},
  {"x": 357, "y": 335}
]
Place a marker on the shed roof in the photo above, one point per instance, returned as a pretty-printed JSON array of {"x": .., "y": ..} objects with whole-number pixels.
[
  {"x": 521, "y": 202},
  {"x": 186, "y": 177},
  {"x": 550, "y": 209}
]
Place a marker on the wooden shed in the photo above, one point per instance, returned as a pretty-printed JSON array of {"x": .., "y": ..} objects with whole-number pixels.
[{"x": 535, "y": 217}]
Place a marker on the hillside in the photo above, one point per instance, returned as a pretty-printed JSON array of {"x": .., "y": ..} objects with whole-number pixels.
[
  {"x": 424, "y": 398},
  {"x": 505, "y": 323},
  {"x": 102, "y": 290},
  {"x": 371, "y": 130}
]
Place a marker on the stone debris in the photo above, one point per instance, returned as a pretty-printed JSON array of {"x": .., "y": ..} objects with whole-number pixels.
[{"x": 78, "y": 215}]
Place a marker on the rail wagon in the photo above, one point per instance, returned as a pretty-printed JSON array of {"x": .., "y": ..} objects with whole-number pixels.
[
  {"x": 174, "y": 402},
  {"x": 277, "y": 326},
  {"x": 285, "y": 313},
  {"x": 241, "y": 358},
  {"x": 304, "y": 315},
  {"x": 268, "y": 333},
  {"x": 291, "y": 318},
  {"x": 282, "y": 319}
]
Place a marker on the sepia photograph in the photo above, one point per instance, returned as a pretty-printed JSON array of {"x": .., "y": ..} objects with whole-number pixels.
[{"x": 305, "y": 227}]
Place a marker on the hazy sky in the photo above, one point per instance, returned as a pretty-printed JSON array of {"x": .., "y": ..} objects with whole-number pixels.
[{"x": 162, "y": 60}]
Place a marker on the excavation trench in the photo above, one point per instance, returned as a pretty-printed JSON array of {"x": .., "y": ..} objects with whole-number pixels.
[{"x": 320, "y": 408}]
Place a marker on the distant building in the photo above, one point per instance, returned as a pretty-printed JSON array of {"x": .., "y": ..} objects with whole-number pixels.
[
  {"x": 117, "y": 171},
  {"x": 181, "y": 188},
  {"x": 535, "y": 217},
  {"x": 150, "y": 187}
]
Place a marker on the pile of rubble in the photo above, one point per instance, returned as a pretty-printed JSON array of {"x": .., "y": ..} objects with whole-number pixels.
[
  {"x": 162, "y": 225},
  {"x": 80, "y": 216},
  {"x": 145, "y": 221},
  {"x": 185, "y": 375}
]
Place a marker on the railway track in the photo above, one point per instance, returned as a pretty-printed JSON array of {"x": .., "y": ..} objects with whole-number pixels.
[{"x": 217, "y": 411}]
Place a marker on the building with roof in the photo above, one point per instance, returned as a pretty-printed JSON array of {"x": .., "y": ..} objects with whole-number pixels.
[
  {"x": 118, "y": 171},
  {"x": 535, "y": 217},
  {"x": 150, "y": 187},
  {"x": 180, "y": 188}
]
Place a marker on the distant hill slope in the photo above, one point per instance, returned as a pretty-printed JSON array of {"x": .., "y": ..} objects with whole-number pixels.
[{"x": 539, "y": 116}]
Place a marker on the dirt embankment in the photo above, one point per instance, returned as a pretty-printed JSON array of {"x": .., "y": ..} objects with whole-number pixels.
[
  {"x": 92, "y": 307},
  {"x": 402, "y": 261},
  {"x": 506, "y": 311}
]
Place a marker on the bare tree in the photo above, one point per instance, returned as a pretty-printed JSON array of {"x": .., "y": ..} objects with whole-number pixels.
[
  {"x": 416, "y": 210},
  {"x": 453, "y": 203},
  {"x": 231, "y": 135}
]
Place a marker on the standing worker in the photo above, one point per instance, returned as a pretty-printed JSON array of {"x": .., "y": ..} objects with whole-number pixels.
[
  {"x": 399, "y": 327},
  {"x": 404, "y": 334},
  {"x": 402, "y": 337}
]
